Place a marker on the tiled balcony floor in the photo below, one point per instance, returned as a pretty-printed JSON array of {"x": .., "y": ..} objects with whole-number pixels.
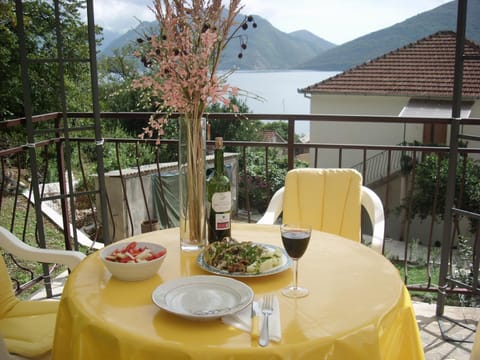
[{"x": 435, "y": 346}]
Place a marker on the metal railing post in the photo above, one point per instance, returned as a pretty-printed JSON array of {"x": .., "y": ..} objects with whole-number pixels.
[{"x": 453, "y": 155}]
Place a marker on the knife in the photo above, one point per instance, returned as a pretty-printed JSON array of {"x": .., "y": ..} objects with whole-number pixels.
[{"x": 254, "y": 318}]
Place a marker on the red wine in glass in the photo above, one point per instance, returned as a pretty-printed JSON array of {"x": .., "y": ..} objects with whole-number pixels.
[{"x": 295, "y": 240}]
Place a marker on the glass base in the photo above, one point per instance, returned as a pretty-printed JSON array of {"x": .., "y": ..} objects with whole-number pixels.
[
  {"x": 295, "y": 292},
  {"x": 192, "y": 247}
]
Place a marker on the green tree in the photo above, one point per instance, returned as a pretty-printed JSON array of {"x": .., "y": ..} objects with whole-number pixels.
[
  {"x": 240, "y": 129},
  {"x": 43, "y": 70},
  {"x": 11, "y": 98},
  {"x": 116, "y": 75},
  {"x": 256, "y": 183},
  {"x": 41, "y": 44},
  {"x": 431, "y": 179}
]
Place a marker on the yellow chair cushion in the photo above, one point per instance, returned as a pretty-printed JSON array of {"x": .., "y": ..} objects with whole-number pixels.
[
  {"x": 327, "y": 199},
  {"x": 7, "y": 297},
  {"x": 29, "y": 327}
]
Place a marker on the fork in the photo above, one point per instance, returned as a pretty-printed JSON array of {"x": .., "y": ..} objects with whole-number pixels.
[{"x": 267, "y": 310}]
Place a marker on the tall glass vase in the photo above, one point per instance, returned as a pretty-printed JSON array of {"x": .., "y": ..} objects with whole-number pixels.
[{"x": 192, "y": 183}]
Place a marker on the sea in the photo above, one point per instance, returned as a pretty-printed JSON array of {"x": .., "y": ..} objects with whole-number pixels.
[{"x": 276, "y": 92}]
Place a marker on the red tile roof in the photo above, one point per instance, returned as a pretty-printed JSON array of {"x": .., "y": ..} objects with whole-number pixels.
[
  {"x": 272, "y": 136},
  {"x": 424, "y": 69}
]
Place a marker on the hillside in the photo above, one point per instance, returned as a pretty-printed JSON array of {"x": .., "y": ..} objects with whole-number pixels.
[
  {"x": 268, "y": 48},
  {"x": 383, "y": 41},
  {"x": 272, "y": 49}
]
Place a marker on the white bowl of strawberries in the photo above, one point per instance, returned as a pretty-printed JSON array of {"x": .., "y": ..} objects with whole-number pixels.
[{"x": 133, "y": 261}]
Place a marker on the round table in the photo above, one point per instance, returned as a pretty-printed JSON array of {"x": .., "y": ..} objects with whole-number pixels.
[{"x": 358, "y": 308}]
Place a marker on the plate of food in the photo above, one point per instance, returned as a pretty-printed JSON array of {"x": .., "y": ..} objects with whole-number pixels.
[
  {"x": 243, "y": 259},
  {"x": 203, "y": 297}
]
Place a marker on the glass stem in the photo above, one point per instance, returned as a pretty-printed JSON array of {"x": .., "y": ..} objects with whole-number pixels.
[{"x": 295, "y": 274}]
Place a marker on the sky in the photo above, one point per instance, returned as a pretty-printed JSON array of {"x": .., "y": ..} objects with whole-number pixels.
[{"x": 337, "y": 21}]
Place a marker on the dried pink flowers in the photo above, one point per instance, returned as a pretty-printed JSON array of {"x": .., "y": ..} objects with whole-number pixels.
[{"x": 183, "y": 57}]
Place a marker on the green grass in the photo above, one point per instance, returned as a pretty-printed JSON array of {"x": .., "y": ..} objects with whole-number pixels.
[{"x": 418, "y": 275}]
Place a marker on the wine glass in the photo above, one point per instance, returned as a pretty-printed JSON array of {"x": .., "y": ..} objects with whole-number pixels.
[{"x": 295, "y": 240}]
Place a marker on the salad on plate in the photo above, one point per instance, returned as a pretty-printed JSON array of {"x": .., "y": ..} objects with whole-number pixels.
[{"x": 246, "y": 257}]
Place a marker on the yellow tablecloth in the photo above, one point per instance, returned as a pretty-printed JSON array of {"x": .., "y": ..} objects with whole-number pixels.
[
  {"x": 358, "y": 308},
  {"x": 475, "y": 355}
]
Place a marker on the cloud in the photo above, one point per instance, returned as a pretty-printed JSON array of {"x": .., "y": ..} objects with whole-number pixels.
[{"x": 120, "y": 16}]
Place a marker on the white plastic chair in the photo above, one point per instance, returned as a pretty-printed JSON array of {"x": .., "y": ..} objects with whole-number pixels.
[
  {"x": 368, "y": 199},
  {"x": 28, "y": 317}
]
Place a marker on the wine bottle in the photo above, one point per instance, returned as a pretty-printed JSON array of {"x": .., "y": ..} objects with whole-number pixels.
[{"x": 219, "y": 198}]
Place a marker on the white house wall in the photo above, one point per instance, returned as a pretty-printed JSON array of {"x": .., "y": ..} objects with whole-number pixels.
[
  {"x": 358, "y": 133},
  {"x": 475, "y": 113},
  {"x": 472, "y": 129}
]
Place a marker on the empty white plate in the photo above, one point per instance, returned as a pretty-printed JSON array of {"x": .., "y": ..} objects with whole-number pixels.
[{"x": 203, "y": 297}]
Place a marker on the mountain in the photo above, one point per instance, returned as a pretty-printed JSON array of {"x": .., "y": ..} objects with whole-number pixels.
[
  {"x": 271, "y": 49},
  {"x": 267, "y": 47},
  {"x": 311, "y": 38},
  {"x": 383, "y": 41},
  {"x": 107, "y": 37},
  {"x": 129, "y": 38}
]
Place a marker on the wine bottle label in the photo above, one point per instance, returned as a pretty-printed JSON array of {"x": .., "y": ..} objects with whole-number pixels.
[
  {"x": 222, "y": 201},
  {"x": 222, "y": 221}
]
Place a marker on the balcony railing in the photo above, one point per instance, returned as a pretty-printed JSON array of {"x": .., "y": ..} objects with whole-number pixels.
[{"x": 69, "y": 190}]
